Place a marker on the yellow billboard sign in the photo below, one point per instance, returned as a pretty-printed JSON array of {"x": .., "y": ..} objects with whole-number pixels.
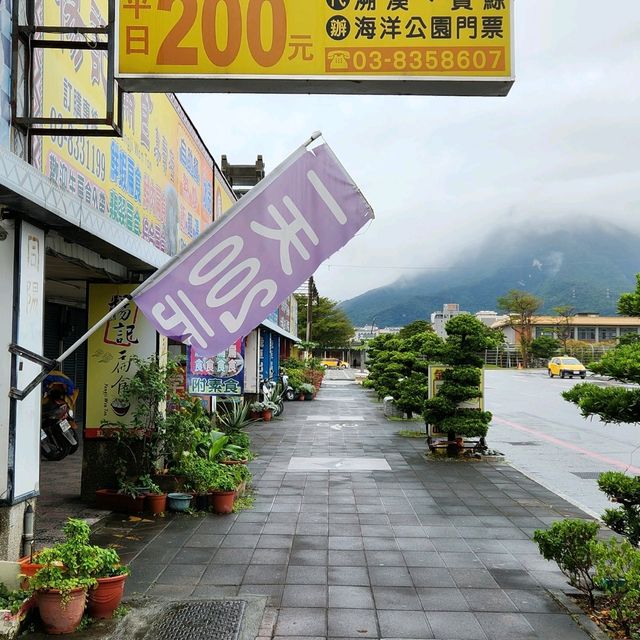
[
  {"x": 387, "y": 46},
  {"x": 157, "y": 180}
]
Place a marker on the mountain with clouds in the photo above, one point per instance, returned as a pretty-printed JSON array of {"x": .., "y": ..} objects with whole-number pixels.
[{"x": 587, "y": 267}]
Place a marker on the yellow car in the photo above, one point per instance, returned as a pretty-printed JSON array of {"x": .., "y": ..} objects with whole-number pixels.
[
  {"x": 333, "y": 363},
  {"x": 566, "y": 366}
]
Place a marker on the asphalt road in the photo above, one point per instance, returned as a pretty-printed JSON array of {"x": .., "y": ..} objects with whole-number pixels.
[{"x": 546, "y": 437}]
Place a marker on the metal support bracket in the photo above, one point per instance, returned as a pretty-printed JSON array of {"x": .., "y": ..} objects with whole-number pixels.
[
  {"x": 27, "y": 39},
  {"x": 47, "y": 363}
]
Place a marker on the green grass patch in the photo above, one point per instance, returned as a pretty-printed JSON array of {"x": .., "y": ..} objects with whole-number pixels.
[
  {"x": 406, "y": 433},
  {"x": 246, "y": 502}
]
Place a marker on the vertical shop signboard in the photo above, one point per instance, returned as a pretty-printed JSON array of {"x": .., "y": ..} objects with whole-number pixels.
[
  {"x": 220, "y": 374},
  {"x": 30, "y": 335},
  {"x": 111, "y": 354}
]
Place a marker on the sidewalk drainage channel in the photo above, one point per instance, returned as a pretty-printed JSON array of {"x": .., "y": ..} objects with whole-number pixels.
[{"x": 214, "y": 620}]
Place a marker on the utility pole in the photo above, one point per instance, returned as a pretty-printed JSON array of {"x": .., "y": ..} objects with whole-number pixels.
[{"x": 309, "y": 303}]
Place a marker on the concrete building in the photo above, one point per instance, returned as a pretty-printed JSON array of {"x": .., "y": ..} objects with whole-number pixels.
[
  {"x": 586, "y": 327},
  {"x": 440, "y": 318}
]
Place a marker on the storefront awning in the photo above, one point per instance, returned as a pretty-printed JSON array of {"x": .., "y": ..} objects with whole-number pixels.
[{"x": 272, "y": 326}]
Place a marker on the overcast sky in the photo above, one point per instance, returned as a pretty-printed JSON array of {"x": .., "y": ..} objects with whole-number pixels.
[{"x": 442, "y": 172}]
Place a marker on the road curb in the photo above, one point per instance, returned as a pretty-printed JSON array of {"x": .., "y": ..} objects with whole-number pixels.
[{"x": 578, "y": 615}]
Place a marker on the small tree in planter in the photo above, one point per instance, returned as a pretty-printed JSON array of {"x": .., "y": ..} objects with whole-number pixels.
[
  {"x": 467, "y": 337},
  {"x": 617, "y": 405}
]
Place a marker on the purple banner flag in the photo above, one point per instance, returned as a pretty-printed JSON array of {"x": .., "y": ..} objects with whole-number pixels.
[{"x": 225, "y": 283}]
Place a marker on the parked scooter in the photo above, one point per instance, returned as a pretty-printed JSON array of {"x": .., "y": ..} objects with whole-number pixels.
[
  {"x": 288, "y": 392},
  {"x": 58, "y": 437}
]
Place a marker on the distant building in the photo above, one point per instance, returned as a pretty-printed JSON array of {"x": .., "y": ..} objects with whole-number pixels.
[
  {"x": 489, "y": 317},
  {"x": 440, "y": 318},
  {"x": 587, "y": 327},
  {"x": 366, "y": 333},
  {"x": 391, "y": 330}
]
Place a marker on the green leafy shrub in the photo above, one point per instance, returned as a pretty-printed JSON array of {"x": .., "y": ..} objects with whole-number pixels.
[
  {"x": 624, "y": 490},
  {"x": 12, "y": 599},
  {"x": 618, "y": 575},
  {"x": 571, "y": 543}
]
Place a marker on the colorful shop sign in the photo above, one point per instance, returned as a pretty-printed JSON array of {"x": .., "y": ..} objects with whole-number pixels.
[
  {"x": 111, "y": 352},
  {"x": 448, "y": 47},
  {"x": 221, "y": 374},
  {"x": 157, "y": 180}
]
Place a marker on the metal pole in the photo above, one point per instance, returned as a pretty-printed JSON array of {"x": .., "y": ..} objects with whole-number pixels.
[
  {"x": 22, "y": 394},
  {"x": 123, "y": 303}
]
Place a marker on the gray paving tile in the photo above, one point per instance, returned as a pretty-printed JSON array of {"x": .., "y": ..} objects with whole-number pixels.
[
  {"x": 402, "y": 598},
  {"x": 301, "y": 621},
  {"x": 272, "y": 591},
  {"x": 209, "y": 541},
  {"x": 304, "y": 595},
  {"x": 455, "y": 625},
  {"x": 495, "y": 600},
  {"x": 422, "y": 559},
  {"x": 244, "y": 540},
  {"x": 533, "y": 601},
  {"x": 353, "y": 623},
  {"x": 549, "y": 626},
  {"x": 385, "y": 558},
  {"x": 232, "y": 556},
  {"x": 505, "y": 626},
  {"x": 473, "y": 579},
  {"x": 265, "y": 574},
  {"x": 270, "y": 556},
  {"x": 397, "y": 624},
  {"x": 347, "y": 558},
  {"x": 390, "y": 576},
  {"x": 442, "y": 599},
  {"x": 345, "y": 543},
  {"x": 355, "y": 576},
  {"x": 308, "y": 557},
  {"x": 513, "y": 578},
  {"x": 224, "y": 574},
  {"x": 306, "y": 575},
  {"x": 350, "y": 597},
  {"x": 431, "y": 577}
]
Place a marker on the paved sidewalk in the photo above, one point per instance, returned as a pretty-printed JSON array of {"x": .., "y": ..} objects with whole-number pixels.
[{"x": 423, "y": 550}]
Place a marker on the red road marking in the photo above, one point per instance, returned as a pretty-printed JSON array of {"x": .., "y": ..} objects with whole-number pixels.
[{"x": 568, "y": 445}]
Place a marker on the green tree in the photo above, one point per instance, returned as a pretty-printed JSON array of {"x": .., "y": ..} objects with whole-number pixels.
[
  {"x": 419, "y": 326},
  {"x": 544, "y": 347},
  {"x": 330, "y": 325},
  {"x": 467, "y": 338},
  {"x": 564, "y": 328},
  {"x": 617, "y": 405},
  {"x": 521, "y": 307}
]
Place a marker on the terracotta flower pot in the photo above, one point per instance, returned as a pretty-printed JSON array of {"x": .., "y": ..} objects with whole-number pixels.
[
  {"x": 61, "y": 618},
  {"x": 155, "y": 503},
  {"x": 104, "y": 599},
  {"x": 267, "y": 414},
  {"x": 222, "y": 501},
  {"x": 28, "y": 569}
]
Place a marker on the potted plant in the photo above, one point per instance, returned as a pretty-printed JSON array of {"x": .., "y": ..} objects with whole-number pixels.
[
  {"x": 269, "y": 408},
  {"x": 223, "y": 488},
  {"x": 129, "y": 498},
  {"x": 69, "y": 569},
  {"x": 14, "y": 606},
  {"x": 242, "y": 477},
  {"x": 105, "y": 597},
  {"x": 198, "y": 474},
  {"x": 255, "y": 410},
  {"x": 61, "y": 598},
  {"x": 155, "y": 500},
  {"x": 308, "y": 390}
]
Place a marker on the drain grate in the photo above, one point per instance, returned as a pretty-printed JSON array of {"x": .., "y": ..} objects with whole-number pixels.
[
  {"x": 213, "y": 620},
  {"x": 587, "y": 475}
]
